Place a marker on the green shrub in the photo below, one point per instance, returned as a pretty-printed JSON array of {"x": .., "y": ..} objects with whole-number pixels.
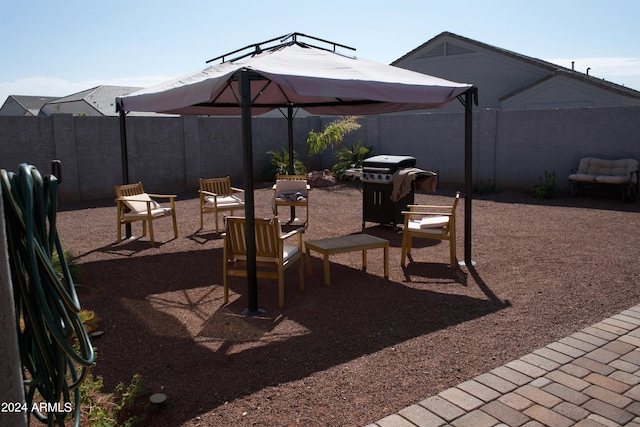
[
  {"x": 547, "y": 188},
  {"x": 351, "y": 157},
  {"x": 74, "y": 268},
  {"x": 280, "y": 166},
  {"x": 124, "y": 407},
  {"x": 483, "y": 188}
]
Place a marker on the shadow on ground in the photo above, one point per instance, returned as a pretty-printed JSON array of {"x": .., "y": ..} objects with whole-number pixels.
[{"x": 163, "y": 317}]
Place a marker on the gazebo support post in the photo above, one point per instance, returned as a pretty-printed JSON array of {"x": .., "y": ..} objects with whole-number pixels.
[
  {"x": 250, "y": 224},
  {"x": 292, "y": 171},
  {"x": 124, "y": 153},
  {"x": 470, "y": 96}
]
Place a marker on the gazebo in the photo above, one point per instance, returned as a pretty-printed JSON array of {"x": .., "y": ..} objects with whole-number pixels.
[{"x": 290, "y": 72}]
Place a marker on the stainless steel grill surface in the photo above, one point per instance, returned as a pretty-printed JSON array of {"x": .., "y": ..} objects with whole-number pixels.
[{"x": 380, "y": 169}]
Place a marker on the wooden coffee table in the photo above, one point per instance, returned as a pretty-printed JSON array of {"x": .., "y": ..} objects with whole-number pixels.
[{"x": 350, "y": 243}]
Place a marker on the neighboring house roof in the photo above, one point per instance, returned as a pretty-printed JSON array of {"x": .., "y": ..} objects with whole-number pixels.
[
  {"x": 535, "y": 75},
  {"x": 24, "y": 105},
  {"x": 580, "y": 77},
  {"x": 96, "y": 101}
]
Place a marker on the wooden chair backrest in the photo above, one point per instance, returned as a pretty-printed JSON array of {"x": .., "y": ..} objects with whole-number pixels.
[
  {"x": 219, "y": 186},
  {"x": 267, "y": 238},
  {"x": 455, "y": 203},
  {"x": 442, "y": 209},
  {"x": 129, "y": 189},
  {"x": 292, "y": 177},
  {"x": 288, "y": 183}
]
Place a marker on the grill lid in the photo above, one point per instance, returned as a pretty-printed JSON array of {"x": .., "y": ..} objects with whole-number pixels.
[{"x": 388, "y": 162}]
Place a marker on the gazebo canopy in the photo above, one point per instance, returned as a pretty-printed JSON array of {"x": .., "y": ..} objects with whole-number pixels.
[
  {"x": 287, "y": 72},
  {"x": 293, "y": 73}
]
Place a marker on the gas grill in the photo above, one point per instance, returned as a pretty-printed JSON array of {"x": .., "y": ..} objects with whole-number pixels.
[
  {"x": 380, "y": 169},
  {"x": 377, "y": 183}
]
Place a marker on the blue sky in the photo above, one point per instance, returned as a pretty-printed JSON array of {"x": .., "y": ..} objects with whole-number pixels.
[{"x": 59, "y": 48}]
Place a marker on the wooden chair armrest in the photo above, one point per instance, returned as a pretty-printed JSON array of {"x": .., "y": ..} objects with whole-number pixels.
[
  {"x": 290, "y": 233},
  {"x": 427, "y": 213},
  {"x": 131, "y": 199},
  {"x": 237, "y": 190},
  {"x": 163, "y": 196},
  {"x": 429, "y": 206},
  {"x": 208, "y": 193}
]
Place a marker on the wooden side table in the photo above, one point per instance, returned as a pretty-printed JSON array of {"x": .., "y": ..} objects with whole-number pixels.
[{"x": 350, "y": 243}]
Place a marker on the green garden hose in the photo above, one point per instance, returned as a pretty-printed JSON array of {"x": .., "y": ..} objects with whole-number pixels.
[{"x": 46, "y": 306}]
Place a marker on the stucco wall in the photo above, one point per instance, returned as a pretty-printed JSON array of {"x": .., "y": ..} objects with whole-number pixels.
[
  {"x": 511, "y": 149},
  {"x": 531, "y": 142}
]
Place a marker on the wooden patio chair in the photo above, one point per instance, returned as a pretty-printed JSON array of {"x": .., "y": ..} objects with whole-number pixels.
[
  {"x": 217, "y": 196},
  {"x": 430, "y": 222},
  {"x": 292, "y": 191},
  {"x": 133, "y": 204},
  {"x": 272, "y": 255}
]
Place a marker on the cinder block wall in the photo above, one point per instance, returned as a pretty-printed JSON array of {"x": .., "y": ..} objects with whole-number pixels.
[{"x": 511, "y": 149}]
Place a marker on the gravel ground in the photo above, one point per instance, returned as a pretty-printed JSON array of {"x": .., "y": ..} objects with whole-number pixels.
[{"x": 364, "y": 347}]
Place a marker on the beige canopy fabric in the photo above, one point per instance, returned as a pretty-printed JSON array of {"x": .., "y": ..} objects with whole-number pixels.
[{"x": 318, "y": 80}]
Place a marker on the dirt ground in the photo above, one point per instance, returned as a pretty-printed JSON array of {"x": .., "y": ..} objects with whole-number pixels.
[{"x": 364, "y": 347}]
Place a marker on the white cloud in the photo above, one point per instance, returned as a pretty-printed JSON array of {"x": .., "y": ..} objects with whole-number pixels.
[{"x": 51, "y": 86}]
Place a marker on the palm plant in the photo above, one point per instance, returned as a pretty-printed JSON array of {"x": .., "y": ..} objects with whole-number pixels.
[
  {"x": 351, "y": 157},
  {"x": 280, "y": 165},
  {"x": 332, "y": 135}
]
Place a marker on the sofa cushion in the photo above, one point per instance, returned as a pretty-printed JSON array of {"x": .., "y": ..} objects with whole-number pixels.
[
  {"x": 593, "y": 169},
  {"x": 616, "y": 179},
  {"x": 581, "y": 177}
]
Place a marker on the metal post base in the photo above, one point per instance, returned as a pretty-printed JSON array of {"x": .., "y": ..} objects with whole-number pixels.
[{"x": 249, "y": 313}]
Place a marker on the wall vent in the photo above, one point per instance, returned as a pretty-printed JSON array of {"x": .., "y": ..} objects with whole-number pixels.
[
  {"x": 453, "y": 49},
  {"x": 445, "y": 49},
  {"x": 436, "y": 51}
]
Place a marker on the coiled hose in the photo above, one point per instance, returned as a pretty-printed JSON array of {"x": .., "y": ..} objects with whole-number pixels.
[{"x": 46, "y": 306}]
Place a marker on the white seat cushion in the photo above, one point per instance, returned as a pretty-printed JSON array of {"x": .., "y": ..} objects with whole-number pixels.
[
  {"x": 429, "y": 224},
  {"x": 138, "y": 203},
  {"x": 291, "y": 197},
  {"x": 157, "y": 212},
  {"x": 225, "y": 201},
  {"x": 287, "y": 187},
  {"x": 289, "y": 251}
]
